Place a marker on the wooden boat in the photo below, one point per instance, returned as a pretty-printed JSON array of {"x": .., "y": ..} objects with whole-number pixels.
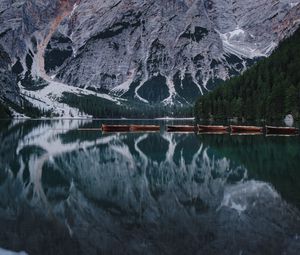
[
  {"x": 246, "y": 133},
  {"x": 213, "y": 133},
  {"x": 282, "y": 130},
  {"x": 184, "y": 128},
  {"x": 115, "y": 128},
  {"x": 204, "y": 128},
  {"x": 144, "y": 128},
  {"x": 246, "y": 129}
]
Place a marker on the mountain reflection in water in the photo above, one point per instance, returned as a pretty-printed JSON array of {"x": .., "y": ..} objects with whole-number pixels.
[{"x": 66, "y": 191}]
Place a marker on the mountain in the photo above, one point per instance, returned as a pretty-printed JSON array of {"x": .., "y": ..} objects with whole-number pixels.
[
  {"x": 156, "y": 52},
  {"x": 269, "y": 90}
]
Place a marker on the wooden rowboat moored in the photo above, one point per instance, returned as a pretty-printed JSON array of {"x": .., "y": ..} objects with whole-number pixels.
[
  {"x": 181, "y": 128},
  {"x": 115, "y": 128},
  {"x": 246, "y": 129},
  {"x": 282, "y": 130},
  {"x": 213, "y": 133},
  {"x": 210, "y": 128},
  {"x": 246, "y": 133},
  {"x": 144, "y": 128}
]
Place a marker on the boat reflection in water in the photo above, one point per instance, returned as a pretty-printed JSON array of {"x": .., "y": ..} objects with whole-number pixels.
[{"x": 70, "y": 191}]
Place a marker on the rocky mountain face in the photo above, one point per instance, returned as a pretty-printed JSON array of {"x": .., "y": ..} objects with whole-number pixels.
[
  {"x": 8, "y": 86},
  {"x": 25, "y": 25},
  {"x": 153, "y": 51}
]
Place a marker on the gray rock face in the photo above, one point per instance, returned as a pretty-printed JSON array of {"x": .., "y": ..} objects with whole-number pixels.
[
  {"x": 8, "y": 85},
  {"x": 19, "y": 20},
  {"x": 10, "y": 20},
  {"x": 193, "y": 44},
  {"x": 137, "y": 49}
]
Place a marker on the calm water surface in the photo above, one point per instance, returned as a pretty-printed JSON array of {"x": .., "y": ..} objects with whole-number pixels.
[{"x": 70, "y": 191}]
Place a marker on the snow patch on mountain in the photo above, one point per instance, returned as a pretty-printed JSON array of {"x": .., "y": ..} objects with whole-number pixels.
[
  {"x": 294, "y": 4},
  {"x": 7, "y": 252},
  {"x": 136, "y": 94},
  {"x": 49, "y": 98},
  {"x": 235, "y": 42},
  {"x": 124, "y": 87},
  {"x": 172, "y": 93}
]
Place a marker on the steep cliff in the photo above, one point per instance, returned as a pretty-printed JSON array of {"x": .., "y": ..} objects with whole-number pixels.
[
  {"x": 153, "y": 51},
  {"x": 133, "y": 48},
  {"x": 8, "y": 85}
]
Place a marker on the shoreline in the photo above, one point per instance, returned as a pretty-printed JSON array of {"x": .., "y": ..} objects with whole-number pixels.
[{"x": 91, "y": 118}]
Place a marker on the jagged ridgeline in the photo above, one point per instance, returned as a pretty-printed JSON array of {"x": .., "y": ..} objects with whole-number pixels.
[
  {"x": 151, "y": 58},
  {"x": 269, "y": 90}
]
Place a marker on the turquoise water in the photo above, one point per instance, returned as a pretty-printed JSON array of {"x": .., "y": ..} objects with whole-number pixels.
[{"x": 70, "y": 191}]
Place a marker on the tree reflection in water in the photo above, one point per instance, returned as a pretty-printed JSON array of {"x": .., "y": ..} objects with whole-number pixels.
[{"x": 83, "y": 192}]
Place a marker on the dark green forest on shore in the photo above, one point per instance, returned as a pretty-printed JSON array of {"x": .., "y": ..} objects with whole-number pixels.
[
  {"x": 269, "y": 90},
  {"x": 102, "y": 108}
]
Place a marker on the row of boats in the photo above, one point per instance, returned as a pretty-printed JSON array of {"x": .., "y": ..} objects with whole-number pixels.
[{"x": 203, "y": 129}]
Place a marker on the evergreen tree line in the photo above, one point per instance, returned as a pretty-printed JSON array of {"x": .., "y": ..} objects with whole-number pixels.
[
  {"x": 25, "y": 108},
  {"x": 269, "y": 90},
  {"x": 102, "y": 108}
]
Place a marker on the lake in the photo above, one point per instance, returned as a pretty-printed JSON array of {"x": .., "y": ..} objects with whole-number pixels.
[{"x": 64, "y": 190}]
